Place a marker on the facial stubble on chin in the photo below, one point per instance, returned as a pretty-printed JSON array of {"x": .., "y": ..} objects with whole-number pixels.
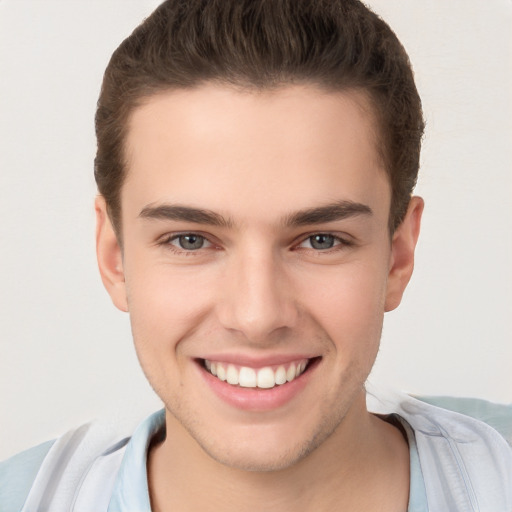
[{"x": 326, "y": 427}]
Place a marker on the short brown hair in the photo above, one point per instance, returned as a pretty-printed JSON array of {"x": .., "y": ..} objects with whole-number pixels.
[{"x": 336, "y": 44}]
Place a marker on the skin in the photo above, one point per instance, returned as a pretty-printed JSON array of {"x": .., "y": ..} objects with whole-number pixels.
[{"x": 258, "y": 288}]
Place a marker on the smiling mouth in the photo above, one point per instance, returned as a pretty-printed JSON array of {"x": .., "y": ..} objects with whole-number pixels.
[{"x": 264, "y": 378}]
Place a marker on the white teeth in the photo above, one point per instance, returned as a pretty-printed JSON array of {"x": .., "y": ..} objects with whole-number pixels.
[
  {"x": 291, "y": 372},
  {"x": 280, "y": 375},
  {"x": 264, "y": 378},
  {"x": 247, "y": 378},
  {"x": 221, "y": 372},
  {"x": 232, "y": 375}
]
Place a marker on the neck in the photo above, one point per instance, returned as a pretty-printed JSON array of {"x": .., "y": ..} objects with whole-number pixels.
[{"x": 363, "y": 454}]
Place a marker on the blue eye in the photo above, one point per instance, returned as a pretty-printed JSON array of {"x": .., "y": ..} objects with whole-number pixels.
[{"x": 322, "y": 241}]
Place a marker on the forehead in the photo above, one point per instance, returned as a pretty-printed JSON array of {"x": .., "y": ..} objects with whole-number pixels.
[{"x": 221, "y": 148}]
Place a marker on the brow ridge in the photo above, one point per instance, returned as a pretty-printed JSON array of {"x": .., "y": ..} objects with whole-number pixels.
[
  {"x": 184, "y": 213},
  {"x": 328, "y": 213},
  {"x": 316, "y": 215}
]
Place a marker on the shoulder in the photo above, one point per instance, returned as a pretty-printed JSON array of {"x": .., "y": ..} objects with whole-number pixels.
[
  {"x": 451, "y": 414},
  {"x": 17, "y": 475},
  {"x": 463, "y": 448},
  {"x": 464, "y": 445},
  {"x": 80, "y": 466},
  {"x": 30, "y": 479},
  {"x": 497, "y": 416}
]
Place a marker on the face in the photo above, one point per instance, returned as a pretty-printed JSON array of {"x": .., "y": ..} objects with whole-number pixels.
[{"x": 256, "y": 248}]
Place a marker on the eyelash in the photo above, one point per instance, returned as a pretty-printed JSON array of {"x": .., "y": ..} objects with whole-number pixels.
[
  {"x": 340, "y": 243},
  {"x": 167, "y": 242}
]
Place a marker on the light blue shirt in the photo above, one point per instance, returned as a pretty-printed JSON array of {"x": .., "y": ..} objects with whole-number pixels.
[{"x": 130, "y": 492}]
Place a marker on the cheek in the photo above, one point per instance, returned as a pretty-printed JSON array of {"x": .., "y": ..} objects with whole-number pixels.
[
  {"x": 165, "y": 304},
  {"x": 350, "y": 305},
  {"x": 162, "y": 313}
]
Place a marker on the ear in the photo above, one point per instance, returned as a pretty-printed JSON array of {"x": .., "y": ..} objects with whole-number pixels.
[
  {"x": 110, "y": 257},
  {"x": 403, "y": 245}
]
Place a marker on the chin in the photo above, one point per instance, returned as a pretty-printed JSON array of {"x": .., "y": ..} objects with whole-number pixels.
[
  {"x": 256, "y": 460},
  {"x": 264, "y": 450}
]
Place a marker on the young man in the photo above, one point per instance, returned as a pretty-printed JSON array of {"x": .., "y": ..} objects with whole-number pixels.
[{"x": 256, "y": 161}]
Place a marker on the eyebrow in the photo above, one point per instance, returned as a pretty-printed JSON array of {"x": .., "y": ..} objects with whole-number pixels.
[
  {"x": 329, "y": 213},
  {"x": 184, "y": 213},
  {"x": 317, "y": 215}
]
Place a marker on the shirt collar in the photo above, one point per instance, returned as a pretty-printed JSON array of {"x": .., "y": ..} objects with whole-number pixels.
[
  {"x": 417, "y": 492},
  {"x": 131, "y": 486}
]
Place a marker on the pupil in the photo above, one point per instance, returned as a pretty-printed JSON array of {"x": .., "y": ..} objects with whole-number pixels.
[
  {"x": 191, "y": 241},
  {"x": 322, "y": 241}
]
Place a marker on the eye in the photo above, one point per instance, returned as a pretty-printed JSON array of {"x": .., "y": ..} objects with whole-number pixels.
[
  {"x": 324, "y": 242},
  {"x": 189, "y": 241}
]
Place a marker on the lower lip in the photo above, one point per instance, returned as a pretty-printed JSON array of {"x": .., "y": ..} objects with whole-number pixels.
[{"x": 257, "y": 399}]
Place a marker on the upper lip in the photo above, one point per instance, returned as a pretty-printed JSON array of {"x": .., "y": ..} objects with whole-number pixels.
[{"x": 257, "y": 361}]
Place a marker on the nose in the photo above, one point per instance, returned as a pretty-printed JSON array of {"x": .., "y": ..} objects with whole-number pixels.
[{"x": 257, "y": 297}]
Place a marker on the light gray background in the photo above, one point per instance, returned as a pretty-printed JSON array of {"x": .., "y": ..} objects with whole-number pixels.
[{"x": 66, "y": 354}]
